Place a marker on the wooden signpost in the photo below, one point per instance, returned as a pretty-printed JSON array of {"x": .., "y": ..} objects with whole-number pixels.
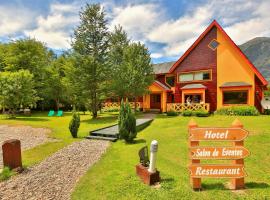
[{"x": 236, "y": 153}]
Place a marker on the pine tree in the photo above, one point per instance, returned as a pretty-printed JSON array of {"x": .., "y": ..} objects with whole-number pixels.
[
  {"x": 126, "y": 123},
  {"x": 91, "y": 46}
]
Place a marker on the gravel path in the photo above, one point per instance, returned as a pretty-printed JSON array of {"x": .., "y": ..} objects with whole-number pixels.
[
  {"x": 29, "y": 136},
  {"x": 56, "y": 176}
]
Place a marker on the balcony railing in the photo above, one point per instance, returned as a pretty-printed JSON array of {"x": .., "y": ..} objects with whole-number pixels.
[
  {"x": 180, "y": 107},
  {"x": 116, "y": 105}
]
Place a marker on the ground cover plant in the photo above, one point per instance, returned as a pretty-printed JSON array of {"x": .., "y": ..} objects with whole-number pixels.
[
  {"x": 238, "y": 110},
  {"x": 114, "y": 176}
]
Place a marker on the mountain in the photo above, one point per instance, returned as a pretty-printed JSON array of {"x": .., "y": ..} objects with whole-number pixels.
[{"x": 258, "y": 52}]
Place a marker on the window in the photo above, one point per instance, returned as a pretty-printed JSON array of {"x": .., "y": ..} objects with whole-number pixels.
[
  {"x": 195, "y": 76},
  {"x": 235, "y": 97},
  {"x": 213, "y": 44},
  {"x": 170, "y": 80}
]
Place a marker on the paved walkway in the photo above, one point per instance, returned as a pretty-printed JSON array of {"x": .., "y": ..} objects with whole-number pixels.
[{"x": 56, "y": 176}]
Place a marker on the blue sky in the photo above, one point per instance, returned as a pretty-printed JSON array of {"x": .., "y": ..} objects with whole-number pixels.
[{"x": 167, "y": 27}]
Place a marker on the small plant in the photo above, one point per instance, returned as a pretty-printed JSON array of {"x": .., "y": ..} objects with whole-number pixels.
[
  {"x": 187, "y": 113},
  {"x": 201, "y": 113},
  {"x": 74, "y": 124},
  {"x": 172, "y": 113},
  {"x": 6, "y": 174},
  {"x": 126, "y": 123},
  {"x": 238, "y": 110}
]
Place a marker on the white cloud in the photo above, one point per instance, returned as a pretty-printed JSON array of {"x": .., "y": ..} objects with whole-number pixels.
[
  {"x": 56, "y": 28},
  {"x": 14, "y": 20},
  {"x": 137, "y": 20}
]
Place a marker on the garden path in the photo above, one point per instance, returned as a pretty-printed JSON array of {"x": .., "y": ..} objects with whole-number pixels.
[{"x": 56, "y": 176}]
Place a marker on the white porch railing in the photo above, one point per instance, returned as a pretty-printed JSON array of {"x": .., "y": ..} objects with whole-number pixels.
[{"x": 180, "y": 107}]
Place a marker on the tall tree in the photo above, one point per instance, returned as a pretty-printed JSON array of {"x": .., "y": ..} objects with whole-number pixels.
[
  {"x": 118, "y": 41},
  {"x": 138, "y": 70},
  {"x": 32, "y": 55},
  {"x": 17, "y": 90},
  {"x": 91, "y": 45}
]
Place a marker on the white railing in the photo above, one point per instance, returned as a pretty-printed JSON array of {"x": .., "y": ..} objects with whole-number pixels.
[{"x": 180, "y": 107}]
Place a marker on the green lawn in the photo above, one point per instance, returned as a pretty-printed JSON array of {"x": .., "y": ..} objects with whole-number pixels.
[
  {"x": 60, "y": 131},
  {"x": 114, "y": 176}
]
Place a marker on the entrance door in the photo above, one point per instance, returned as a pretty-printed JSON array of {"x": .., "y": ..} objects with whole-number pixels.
[{"x": 155, "y": 101}]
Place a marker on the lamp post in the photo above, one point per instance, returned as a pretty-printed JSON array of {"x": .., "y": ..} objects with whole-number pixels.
[{"x": 153, "y": 155}]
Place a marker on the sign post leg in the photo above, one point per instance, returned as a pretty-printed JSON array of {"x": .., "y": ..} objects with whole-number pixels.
[
  {"x": 195, "y": 182},
  {"x": 238, "y": 183}
]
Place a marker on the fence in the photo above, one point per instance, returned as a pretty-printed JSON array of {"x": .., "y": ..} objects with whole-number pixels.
[
  {"x": 116, "y": 105},
  {"x": 180, "y": 107}
]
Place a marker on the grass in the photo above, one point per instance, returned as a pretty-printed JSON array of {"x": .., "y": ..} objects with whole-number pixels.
[
  {"x": 5, "y": 174},
  {"x": 113, "y": 177},
  {"x": 60, "y": 131}
]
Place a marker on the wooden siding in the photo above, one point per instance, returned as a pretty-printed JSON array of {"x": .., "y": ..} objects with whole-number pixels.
[{"x": 201, "y": 58}]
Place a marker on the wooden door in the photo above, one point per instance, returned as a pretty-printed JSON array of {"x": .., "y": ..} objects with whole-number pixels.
[{"x": 155, "y": 101}]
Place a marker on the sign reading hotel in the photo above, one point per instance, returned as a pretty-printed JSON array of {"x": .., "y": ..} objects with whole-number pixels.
[
  {"x": 236, "y": 153},
  {"x": 221, "y": 134}
]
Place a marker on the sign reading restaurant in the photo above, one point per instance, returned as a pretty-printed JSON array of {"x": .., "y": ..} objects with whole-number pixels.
[{"x": 236, "y": 153}]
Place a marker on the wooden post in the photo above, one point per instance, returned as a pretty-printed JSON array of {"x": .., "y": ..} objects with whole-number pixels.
[
  {"x": 12, "y": 154},
  {"x": 238, "y": 183},
  {"x": 195, "y": 182}
]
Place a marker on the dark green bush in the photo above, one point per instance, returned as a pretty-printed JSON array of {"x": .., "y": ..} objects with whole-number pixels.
[
  {"x": 74, "y": 124},
  {"x": 238, "y": 110},
  {"x": 187, "y": 113},
  {"x": 201, "y": 113},
  {"x": 126, "y": 123},
  {"x": 172, "y": 113},
  {"x": 266, "y": 112}
]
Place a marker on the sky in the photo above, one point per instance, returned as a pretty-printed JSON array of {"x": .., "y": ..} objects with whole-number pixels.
[{"x": 166, "y": 27}]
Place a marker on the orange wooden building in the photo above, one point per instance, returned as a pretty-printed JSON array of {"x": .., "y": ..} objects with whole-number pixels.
[{"x": 211, "y": 74}]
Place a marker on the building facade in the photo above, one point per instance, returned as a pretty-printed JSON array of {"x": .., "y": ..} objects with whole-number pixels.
[{"x": 213, "y": 73}]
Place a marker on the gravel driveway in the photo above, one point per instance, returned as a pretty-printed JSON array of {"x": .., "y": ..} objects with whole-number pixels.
[
  {"x": 29, "y": 136},
  {"x": 56, "y": 176}
]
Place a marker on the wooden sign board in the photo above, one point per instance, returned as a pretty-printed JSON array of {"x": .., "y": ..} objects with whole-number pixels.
[
  {"x": 217, "y": 171},
  {"x": 217, "y": 134},
  {"x": 225, "y": 153}
]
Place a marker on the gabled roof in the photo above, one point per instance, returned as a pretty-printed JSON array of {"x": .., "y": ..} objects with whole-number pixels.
[
  {"x": 161, "y": 85},
  {"x": 162, "y": 68},
  {"x": 214, "y": 23}
]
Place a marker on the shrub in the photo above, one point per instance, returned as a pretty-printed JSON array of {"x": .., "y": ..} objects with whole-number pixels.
[
  {"x": 126, "y": 123},
  {"x": 74, "y": 124},
  {"x": 172, "y": 113},
  {"x": 6, "y": 173},
  {"x": 187, "y": 113},
  {"x": 201, "y": 113},
  {"x": 238, "y": 110}
]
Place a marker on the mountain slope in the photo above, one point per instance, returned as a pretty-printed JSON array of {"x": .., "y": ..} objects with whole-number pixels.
[{"x": 258, "y": 52}]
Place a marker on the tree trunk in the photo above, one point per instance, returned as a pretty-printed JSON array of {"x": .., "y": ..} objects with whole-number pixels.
[
  {"x": 135, "y": 106},
  {"x": 57, "y": 104}
]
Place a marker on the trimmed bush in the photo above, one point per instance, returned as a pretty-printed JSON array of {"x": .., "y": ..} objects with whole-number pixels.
[
  {"x": 126, "y": 123},
  {"x": 74, "y": 124},
  {"x": 201, "y": 113},
  {"x": 187, "y": 113},
  {"x": 238, "y": 110},
  {"x": 172, "y": 113}
]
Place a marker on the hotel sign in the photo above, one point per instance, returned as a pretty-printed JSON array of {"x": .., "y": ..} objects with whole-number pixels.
[
  {"x": 220, "y": 134},
  {"x": 236, "y": 153}
]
